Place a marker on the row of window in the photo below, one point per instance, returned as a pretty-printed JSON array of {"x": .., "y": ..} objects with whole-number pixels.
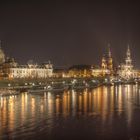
[{"x": 28, "y": 72}]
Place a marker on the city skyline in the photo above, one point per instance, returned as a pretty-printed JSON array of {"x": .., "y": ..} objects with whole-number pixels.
[
  {"x": 70, "y": 69},
  {"x": 107, "y": 53},
  {"x": 70, "y": 33}
]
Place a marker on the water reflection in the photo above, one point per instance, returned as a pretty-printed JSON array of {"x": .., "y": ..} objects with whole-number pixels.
[{"x": 26, "y": 114}]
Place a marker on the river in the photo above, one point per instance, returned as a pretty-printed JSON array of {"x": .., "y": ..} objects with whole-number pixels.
[{"x": 103, "y": 113}]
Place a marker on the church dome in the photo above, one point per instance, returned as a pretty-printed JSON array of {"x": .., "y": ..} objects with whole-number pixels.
[{"x": 2, "y": 56}]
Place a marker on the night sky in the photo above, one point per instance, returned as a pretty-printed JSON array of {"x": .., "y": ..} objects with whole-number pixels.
[{"x": 70, "y": 32}]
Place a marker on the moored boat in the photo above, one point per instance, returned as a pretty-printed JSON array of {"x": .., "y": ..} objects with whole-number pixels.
[{"x": 47, "y": 89}]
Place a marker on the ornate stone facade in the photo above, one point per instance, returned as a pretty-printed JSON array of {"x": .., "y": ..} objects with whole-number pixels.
[
  {"x": 106, "y": 66},
  {"x": 126, "y": 70},
  {"x": 12, "y": 70},
  {"x": 2, "y": 55}
]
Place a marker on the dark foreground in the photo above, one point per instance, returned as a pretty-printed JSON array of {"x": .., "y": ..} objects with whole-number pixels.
[{"x": 104, "y": 113}]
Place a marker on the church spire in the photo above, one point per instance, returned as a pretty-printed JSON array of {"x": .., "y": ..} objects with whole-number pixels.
[
  {"x": 2, "y": 55},
  {"x": 128, "y": 53},
  {"x": 109, "y": 51},
  {"x": 109, "y": 59},
  {"x": 128, "y": 59},
  {"x": 103, "y": 63}
]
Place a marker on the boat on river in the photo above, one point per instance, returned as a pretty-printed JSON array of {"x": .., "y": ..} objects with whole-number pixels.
[{"x": 47, "y": 89}]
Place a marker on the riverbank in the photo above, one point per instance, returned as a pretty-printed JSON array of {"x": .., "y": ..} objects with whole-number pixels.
[
  {"x": 32, "y": 82},
  {"x": 57, "y": 84},
  {"x": 50, "y": 84}
]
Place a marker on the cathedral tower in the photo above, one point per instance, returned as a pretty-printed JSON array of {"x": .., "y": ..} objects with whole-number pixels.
[
  {"x": 128, "y": 60},
  {"x": 2, "y": 55},
  {"x": 109, "y": 59},
  {"x": 104, "y": 64}
]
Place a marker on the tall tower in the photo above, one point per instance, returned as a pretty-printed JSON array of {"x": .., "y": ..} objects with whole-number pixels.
[
  {"x": 128, "y": 59},
  {"x": 2, "y": 55},
  {"x": 109, "y": 60},
  {"x": 104, "y": 64}
]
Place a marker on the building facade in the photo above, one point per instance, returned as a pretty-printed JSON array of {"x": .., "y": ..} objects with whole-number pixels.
[
  {"x": 31, "y": 71},
  {"x": 79, "y": 71},
  {"x": 106, "y": 67},
  {"x": 126, "y": 71},
  {"x": 10, "y": 69}
]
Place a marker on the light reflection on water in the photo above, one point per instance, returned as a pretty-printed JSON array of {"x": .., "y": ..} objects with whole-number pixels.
[{"x": 103, "y": 113}]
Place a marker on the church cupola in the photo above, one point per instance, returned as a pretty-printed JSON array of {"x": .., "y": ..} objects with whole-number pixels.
[{"x": 2, "y": 55}]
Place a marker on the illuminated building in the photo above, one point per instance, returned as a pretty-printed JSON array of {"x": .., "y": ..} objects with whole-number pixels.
[
  {"x": 79, "y": 71},
  {"x": 2, "y": 56},
  {"x": 110, "y": 61},
  {"x": 2, "y": 60},
  {"x": 106, "y": 66},
  {"x": 31, "y": 71},
  {"x": 104, "y": 63},
  {"x": 11, "y": 69},
  {"x": 60, "y": 73},
  {"x": 126, "y": 70}
]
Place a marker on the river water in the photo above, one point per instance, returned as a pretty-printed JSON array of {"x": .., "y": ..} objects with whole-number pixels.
[{"x": 103, "y": 113}]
